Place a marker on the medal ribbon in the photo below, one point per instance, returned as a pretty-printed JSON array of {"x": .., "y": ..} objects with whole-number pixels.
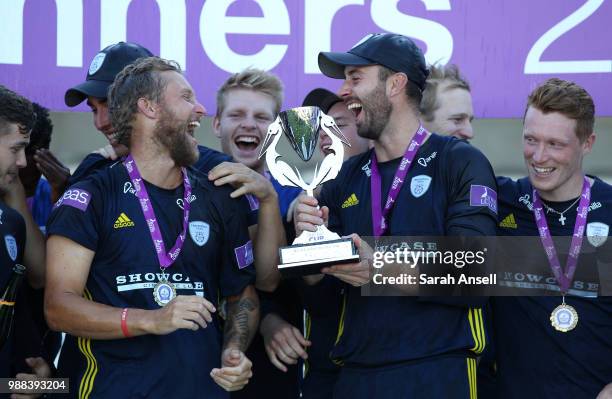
[
  {"x": 564, "y": 278},
  {"x": 165, "y": 259},
  {"x": 379, "y": 218}
]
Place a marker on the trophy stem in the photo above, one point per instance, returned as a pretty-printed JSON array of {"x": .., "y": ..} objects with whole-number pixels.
[{"x": 310, "y": 192}]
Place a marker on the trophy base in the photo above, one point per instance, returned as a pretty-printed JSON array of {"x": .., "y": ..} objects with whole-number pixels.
[{"x": 306, "y": 259}]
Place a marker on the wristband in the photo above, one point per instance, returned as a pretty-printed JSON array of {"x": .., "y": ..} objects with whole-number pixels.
[{"x": 124, "y": 328}]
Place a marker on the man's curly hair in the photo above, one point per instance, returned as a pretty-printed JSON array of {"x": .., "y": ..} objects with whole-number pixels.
[{"x": 15, "y": 109}]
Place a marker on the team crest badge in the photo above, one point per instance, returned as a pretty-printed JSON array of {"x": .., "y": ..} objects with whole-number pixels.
[
  {"x": 199, "y": 232},
  {"x": 96, "y": 63},
  {"x": 11, "y": 246},
  {"x": 419, "y": 185},
  {"x": 597, "y": 233}
]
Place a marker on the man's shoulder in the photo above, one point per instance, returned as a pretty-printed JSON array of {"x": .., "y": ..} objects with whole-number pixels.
[
  {"x": 90, "y": 164},
  {"x": 10, "y": 216},
  {"x": 454, "y": 150},
  {"x": 217, "y": 195},
  {"x": 514, "y": 196},
  {"x": 209, "y": 158},
  {"x": 601, "y": 189},
  {"x": 599, "y": 208},
  {"x": 99, "y": 184},
  {"x": 357, "y": 165}
]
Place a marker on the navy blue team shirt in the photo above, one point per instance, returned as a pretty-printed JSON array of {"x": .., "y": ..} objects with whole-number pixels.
[
  {"x": 377, "y": 331},
  {"x": 208, "y": 159},
  {"x": 12, "y": 246},
  {"x": 102, "y": 214},
  {"x": 533, "y": 359}
]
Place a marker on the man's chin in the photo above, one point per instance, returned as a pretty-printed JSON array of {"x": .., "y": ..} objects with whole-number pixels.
[
  {"x": 4, "y": 187},
  {"x": 249, "y": 160},
  {"x": 542, "y": 186},
  {"x": 254, "y": 164},
  {"x": 187, "y": 158}
]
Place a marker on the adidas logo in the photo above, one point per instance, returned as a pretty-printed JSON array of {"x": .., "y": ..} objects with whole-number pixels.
[
  {"x": 123, "y": 221},
  {"x": 509, "y": 222},
  {"x": 350, "y": 201}
]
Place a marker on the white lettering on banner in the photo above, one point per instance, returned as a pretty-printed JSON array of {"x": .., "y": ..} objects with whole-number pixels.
[
  {"x": 533, "y": 63},
  {"x": 172, "y": 27},
  {"x": 69, "y": 33},
  {"x": 438, "y": 39},
  {"x": 215, "y": 25},
  {"x": 318, "y": 17},
  {"x": 317, "y": 21},
  {"x": 11, "y": 32}
]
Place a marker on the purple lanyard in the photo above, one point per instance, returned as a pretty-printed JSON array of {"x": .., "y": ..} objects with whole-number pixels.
[
  {"x": 379, "y": 219},
  {"x": 563, "y": 278},
  {"x": 165, "y": 259}
]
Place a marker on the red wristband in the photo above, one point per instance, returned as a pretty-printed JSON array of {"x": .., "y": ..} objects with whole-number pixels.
[{"x": 124, "y": 328}]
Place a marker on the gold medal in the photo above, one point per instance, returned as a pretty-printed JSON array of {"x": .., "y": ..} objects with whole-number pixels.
[
  {"x": 164, "y": 292},
  {"x": 564, "y": 318}
]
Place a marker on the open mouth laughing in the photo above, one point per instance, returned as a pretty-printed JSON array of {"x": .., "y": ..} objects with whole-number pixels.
[
  {"x": 355, "y": 108},
  {"x": 247, "y": 143}
]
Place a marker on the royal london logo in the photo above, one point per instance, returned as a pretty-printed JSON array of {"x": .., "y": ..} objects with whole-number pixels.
[
  {"x": 123, "y": 221},
  {"x": 350, "y": 201},
  {"x": 509, "y": 222}
]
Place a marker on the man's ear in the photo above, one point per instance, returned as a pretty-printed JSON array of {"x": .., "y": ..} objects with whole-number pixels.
[
  {"x": 396, "y": 84},
  {"x": 587, "y": 146},
  {"x": 147, "y": 108},
  {"x": 216, "y": 125}
]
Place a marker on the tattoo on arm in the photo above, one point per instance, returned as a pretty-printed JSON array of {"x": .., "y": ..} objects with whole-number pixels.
[{"x": 242, "y": 319}]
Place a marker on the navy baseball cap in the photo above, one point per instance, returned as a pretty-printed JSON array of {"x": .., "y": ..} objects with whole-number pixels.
[
  {"x": 321, "y": 98},
  {"x": 396, "y": 52},
  {"x": 103, "y": 69}
]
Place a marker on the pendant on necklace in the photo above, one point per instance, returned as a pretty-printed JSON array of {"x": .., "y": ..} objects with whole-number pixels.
[{"x": 163, "y": 292}]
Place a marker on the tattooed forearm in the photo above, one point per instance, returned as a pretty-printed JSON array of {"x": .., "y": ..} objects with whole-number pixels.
[{"x": 242, "y": 320}]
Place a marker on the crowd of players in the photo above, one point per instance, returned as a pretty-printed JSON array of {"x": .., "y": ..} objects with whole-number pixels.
[{"x": 157, "y": 257}]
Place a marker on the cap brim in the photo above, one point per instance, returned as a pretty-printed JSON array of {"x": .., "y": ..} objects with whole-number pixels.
[
  {"x": 332, "y": 64},
  {"x": 93, "y": 88}
]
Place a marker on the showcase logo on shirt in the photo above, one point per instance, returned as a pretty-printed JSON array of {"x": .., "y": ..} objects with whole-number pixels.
[{"x": 147, "y": 281}]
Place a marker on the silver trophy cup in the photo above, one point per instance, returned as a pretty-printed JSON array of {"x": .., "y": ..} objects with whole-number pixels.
[{"x": 311, "y": 250}]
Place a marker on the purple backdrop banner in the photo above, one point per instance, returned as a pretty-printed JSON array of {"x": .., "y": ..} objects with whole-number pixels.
[{"x": 504, "y": 47}]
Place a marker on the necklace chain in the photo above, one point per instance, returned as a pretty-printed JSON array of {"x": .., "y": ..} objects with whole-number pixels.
[{"x": 548, "y": 208}]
